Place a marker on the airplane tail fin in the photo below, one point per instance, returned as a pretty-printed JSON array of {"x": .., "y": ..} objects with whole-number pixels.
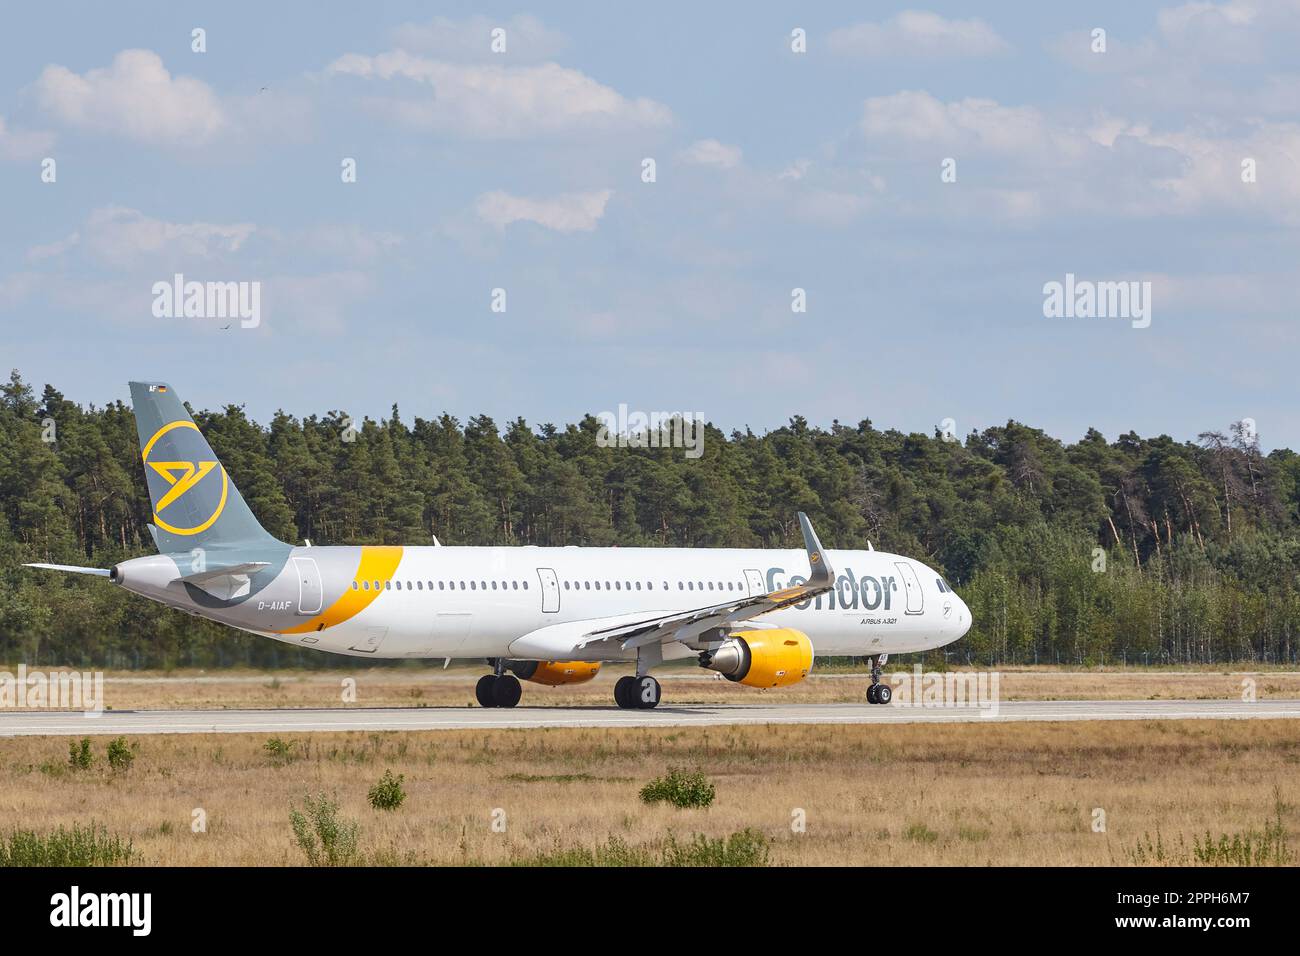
[{"x": 195, "y": 504}]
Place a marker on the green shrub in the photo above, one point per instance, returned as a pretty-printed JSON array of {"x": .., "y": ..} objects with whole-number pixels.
[
  {"x": 80, "y": 846},
  {"x": 281, "y": 752},
  {"x": 120, "y": 754},
  {"x": 388, "y": 794},
  {"x": 680, "y": 788},
  {"x": 745, "y": 848},
  {"x": 80, "y": 756},
  {"x": 920, "y": 833},
  {"x": 321, "y": 835}
]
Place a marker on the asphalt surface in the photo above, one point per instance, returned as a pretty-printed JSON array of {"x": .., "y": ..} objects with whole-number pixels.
[{"x": 48, "y": 723}]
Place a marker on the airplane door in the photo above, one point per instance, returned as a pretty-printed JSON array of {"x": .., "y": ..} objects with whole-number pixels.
[
  {"x": 550, "y": 590},
  {"x": 310, "y": 595},
  {"x": 755, "y": 581},
  {"x": 912, "y": 585}
]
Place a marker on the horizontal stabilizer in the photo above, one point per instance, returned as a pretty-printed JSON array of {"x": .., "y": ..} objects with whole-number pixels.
[{"x": 99, "y": 572}]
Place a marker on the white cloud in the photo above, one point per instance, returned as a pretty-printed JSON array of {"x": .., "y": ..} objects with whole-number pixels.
[
  {"x": 122, "y": 237},
  {"x": 526, "y": 38},
  {"x": 135, "y": 96},
  {"x": 916, "y": 116},
  {"x": 571, "y": 212},
  {"x": 709, "y": 152},
  {"x": 52, "y": 250},
  {"x": 1106, "y": 164},
  {"x": 498, "y": 101},
  {"x": 19, "y": 145},
  {"x": 796, "y": 170},
  {"x": 917, "y": 33}
]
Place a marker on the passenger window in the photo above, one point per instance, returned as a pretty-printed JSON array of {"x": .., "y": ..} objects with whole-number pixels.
[
  {"x": 514, "y": 585},
  {"x": 388, "y": 585},
  {"x": 690, "y": 585},
  {"x": 618, "y": 586},
  {"x": 354, "y": 585},
  {"x": 638, "y": 585},
  {"x": 597, "y": 585},
  {"x": 566, "y": 585},
  {"x": 367, "y": 585},
  {"x": 494, "y": 585},
  {"x": 525, "y": 585},
  {"x": 586, "y": 585},
  {"x": 399, "y": 585},
  {"x": 473, "y": 586}
]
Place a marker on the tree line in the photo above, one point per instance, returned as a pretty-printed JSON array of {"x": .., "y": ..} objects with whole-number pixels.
[{"x": 1137, "y": 550}]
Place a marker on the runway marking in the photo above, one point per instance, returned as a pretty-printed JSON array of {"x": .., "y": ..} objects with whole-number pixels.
[{"x": 44, "y": 723}]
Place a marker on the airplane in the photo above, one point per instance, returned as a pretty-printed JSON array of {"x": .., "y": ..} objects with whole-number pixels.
[{"x": 549, "y": 616}]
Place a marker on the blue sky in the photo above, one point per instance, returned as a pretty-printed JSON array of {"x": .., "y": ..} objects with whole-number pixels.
[{"x": 775, "y": 170}]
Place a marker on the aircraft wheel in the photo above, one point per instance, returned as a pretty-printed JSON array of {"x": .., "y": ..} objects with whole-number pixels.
[
  {"x": 871, "y": 693},
  {"x": 883, "y": 694},
  {"x": 483, "y": 690},
  {"x": 623, "y": 691},
  {"x": 506, "y": 692},
  {"x": 645, "y": 692}
]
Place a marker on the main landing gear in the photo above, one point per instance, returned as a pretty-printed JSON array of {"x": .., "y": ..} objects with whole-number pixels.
[
  {"x": 642, "y": 691},
  {"x": 499, "y": 689},
  {"x": 878, "y": 693},
  {"x": 636, "y": 693}
]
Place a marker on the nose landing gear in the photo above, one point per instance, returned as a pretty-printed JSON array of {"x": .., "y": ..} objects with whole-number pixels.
[{"x": 878, "y": 693}]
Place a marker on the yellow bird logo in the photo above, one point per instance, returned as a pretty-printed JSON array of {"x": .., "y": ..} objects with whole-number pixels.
[{"x": 181, "y": 475}]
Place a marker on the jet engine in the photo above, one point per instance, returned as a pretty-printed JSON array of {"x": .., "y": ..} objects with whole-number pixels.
[
  {"x": 555, "y": 673},
  {"x": 766, "y": 658}
]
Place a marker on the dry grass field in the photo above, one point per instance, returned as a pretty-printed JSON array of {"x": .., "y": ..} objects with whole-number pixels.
[
  {"x": 871, "y": 795},
  {"x": 682, "y": 684}
]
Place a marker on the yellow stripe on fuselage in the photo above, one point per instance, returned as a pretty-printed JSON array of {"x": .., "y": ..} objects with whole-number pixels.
[{"x": 377, "y": 564}]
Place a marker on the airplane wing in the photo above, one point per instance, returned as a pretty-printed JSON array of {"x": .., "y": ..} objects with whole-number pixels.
[{"x": 688, "y": 626}]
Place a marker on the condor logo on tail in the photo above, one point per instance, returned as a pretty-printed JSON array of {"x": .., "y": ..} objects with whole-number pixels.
[{"x": 183, "y": 475}]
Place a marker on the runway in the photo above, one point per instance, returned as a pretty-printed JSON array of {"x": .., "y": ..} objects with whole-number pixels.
[{"x": 46, "y": 723}]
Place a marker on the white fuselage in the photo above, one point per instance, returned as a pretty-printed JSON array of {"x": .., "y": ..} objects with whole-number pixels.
[{"x": 456, "y": 602}]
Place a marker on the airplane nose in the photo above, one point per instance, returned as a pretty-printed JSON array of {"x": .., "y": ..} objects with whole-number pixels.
[{"x": 963, "y": 620}]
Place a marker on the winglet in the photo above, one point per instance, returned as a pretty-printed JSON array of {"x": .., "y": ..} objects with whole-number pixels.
[{"x": 821, "y": 572}]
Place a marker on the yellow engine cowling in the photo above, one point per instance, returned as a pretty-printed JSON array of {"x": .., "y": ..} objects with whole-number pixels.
[
  {"x": 555, "y": 673},
  {"x": 777, "y": 657}
]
